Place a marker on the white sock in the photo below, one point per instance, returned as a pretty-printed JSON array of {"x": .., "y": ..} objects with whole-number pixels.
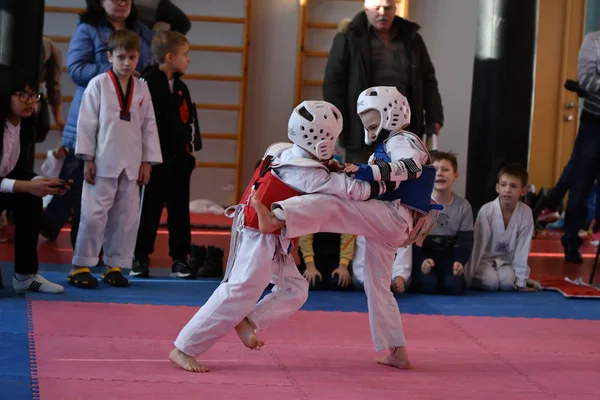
[{"x": 21, "y": 277}]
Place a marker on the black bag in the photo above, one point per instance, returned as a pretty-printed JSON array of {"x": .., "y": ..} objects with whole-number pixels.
[{"x": 42, "y": 120}]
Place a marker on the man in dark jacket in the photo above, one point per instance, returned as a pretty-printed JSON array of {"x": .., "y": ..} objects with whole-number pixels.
[
  {"x": 379, "y": 48},
  {"x": 151, "y": 12},
  {"x": 179, "y": 135}
]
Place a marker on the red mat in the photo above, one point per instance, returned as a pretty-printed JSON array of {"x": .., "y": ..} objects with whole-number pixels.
[
  {"x": 113, "y": 351},
  {"x": 569, "y": 288}
]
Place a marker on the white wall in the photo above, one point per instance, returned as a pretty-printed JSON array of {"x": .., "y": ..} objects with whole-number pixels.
[
  {"x": 449, "y": 28},
  {"x": 271, "y": 74}
]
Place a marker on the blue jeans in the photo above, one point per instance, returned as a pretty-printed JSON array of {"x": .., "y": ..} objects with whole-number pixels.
[{"x": 586, "y": 169}]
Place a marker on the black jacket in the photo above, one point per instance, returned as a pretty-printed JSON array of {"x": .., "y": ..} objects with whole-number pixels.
[
  {"x": 347, "y": 74},
  {"x": 176, "y": 115},
  {"x": 21, "y": 171}
]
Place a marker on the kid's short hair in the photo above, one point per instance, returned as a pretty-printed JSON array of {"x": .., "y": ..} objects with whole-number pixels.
[
  {"x": 166, "y": 42},
  {"x": 442, "y": 155},
  {"x": 123, "y": 38},
  {"x": 516, "y": 170}
]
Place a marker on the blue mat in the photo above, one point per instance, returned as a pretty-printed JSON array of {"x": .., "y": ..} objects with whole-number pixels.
[
  {"x": 12, "y": 315},
  {"x": 15, "y": 388},
  {"x": 167, "y": 291},
  {"x": 15, "y": 378}
]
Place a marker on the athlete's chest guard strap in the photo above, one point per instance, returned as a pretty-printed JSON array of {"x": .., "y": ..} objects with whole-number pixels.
[
  {"x": 415, "y": 194},
  {"x": 267, "y": 186}
]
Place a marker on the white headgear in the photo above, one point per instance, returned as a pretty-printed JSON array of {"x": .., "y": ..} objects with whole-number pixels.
[
  {"x": 392, "y": 106},
  {"x": 315, "y": 127}
]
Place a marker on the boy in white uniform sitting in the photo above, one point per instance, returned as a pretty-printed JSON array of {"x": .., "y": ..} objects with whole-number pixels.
[
  {"x": 503, "y": 232},
  {"x": 118, "y": 139}
]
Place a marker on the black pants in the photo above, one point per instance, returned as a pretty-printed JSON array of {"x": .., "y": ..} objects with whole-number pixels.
[
  {"x": 441, "y": 279},
  {"x": 326, "y": 269},
  {"x": 170, "y": 184},
  {"x": 27, "y": 213},
  {"x": 60, "y": 207},
  {"x": 586, "y": 169},
  {"x": 326, "y": 248}
]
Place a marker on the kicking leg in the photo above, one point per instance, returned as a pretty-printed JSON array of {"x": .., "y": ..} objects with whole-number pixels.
[
  {"x": 267, "y": 221},
  {"x": 312, "y": 213}
]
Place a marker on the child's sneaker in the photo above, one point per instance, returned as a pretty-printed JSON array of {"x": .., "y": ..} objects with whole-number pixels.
[
  {"x": 82, "y": 278},
  {"x": 197, "y": 257},
  {"x": 213, "y": 264},
  {"x": 140, "y": 269},
  {"x": 36, "y": 283},
  {"x": 181, "y": 269},
  {"x": 114, "y": 277},
  {"x": 548, "y": 216},
  {"x": 560, "y": 224}
]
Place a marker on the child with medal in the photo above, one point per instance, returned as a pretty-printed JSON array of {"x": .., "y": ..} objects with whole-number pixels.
[{"x": 118, "y": 139}]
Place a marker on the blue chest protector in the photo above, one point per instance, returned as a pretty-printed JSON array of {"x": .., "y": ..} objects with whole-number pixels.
[{"x": 414, "y": 194}]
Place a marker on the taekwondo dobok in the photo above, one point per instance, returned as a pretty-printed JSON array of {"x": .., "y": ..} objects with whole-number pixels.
[
  {"x": 398, "y": 218},
  {"x": 255, "y": 259},
  {"x": 118, "y": 146}
]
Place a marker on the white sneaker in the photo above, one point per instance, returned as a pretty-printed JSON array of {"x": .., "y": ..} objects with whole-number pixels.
[{"x": 36, "y": 283}]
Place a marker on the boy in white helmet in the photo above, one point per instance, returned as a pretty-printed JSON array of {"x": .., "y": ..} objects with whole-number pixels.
[
  {"x": 396, "y": 219},
  {"x": 255, "y": 259}
]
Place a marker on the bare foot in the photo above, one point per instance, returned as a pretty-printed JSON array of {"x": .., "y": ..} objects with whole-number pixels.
[
  {"x": 397, "y": 358},
  {"x": 267, "y": 222},
  {"x": 247, "y": 334},
  {"x": 186, "y": 362}
]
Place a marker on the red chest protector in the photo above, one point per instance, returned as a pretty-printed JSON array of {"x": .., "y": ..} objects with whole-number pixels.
[{"x": 269, "y": 189}]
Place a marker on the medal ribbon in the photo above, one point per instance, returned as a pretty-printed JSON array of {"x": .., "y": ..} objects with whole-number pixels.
[{"x": 128, "y": 96}]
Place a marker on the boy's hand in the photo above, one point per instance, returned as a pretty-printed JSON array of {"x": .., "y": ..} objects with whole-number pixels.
[
  {"x": 59, "y": 152},
  {"x": 427, "y": 265},
  {"x": 89, "y": 172},
  {"x": 344, "y": 278},
  {"x": 526, "y": 289},
  {"x": 144, "y": 175},
  {"x": 350, "y": 168},
  {"x": 333, "y": 165},
  {"x": 399, "y": 283},
  {"x": 534, "y": 284},
  {"x": 458, "y": 269},
  {"x": 311, "y": 273},
  {"x": 362, "y": 172}
]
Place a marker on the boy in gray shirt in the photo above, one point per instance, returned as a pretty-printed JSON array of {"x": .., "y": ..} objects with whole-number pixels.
[{"x": 438, "y": 266}]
